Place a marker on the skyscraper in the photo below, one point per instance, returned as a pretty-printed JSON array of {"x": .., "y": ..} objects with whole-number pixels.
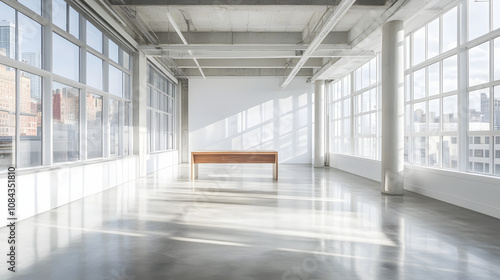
[{"x": 7, "y": 38}]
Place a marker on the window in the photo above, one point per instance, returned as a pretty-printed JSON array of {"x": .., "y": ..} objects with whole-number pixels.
[
  {"x": 7, "y": 31},
  {"x": 94, "y": 37},
  {"x": 94, "y": 126},
  {"x": 115, "y": 81},
  {"x": 113, "y": 51},
  {"x": 479, "y": 18},
  {"x": 34, "y": 5},
  {"x": 22, "y": 88},
  {"x": 30, "y": 120},
  {"x": 449, "y": 31},
  {"x": 114, "y": 127},
  {"x": 160, "y": 117},
  {"x": 66, "y": 60},
  {"x": 7, "y": 116},
  {"x": 419, "y": 46},
  {"x": 65, "y": 17},
  {"x": 479, "y": 110},
  {"x": 65, "y": 111},
  {"x": 30, "y": 33},
  {"x": 94, "y": 71},
  {"x": 479, "y": 64}
]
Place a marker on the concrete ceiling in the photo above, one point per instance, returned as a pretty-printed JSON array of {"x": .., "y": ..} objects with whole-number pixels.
[{"x": 264, "y": 38}]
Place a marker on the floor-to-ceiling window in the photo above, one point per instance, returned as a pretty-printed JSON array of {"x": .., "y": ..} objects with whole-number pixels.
[
  {"x": 355, "y": 111},
  {"x": 160, "y": 113},
  {"x": 74, "y": 76},
  {"x": 454, "y": 123}
]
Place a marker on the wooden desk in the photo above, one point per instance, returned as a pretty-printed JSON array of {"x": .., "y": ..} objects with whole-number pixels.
[{"x": 233, "y": 157}]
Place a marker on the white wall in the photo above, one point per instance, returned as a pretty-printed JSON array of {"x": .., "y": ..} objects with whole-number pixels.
[
  {"x": 472, "y": 191},
  {"x": 42, "y": 189},
  {"x": 252, "y": 114}
]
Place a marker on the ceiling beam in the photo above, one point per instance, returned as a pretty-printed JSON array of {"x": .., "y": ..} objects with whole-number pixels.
[
  {"x": 174, "y": 25},
  {"x": 332, "y": 19},
  {"x": 244, "y": 72},
  {"x": 250, "y": 38},
  {"x": 244, "y": 2},
  {"x": 245, "y": 63},
  {"x": 184, "y": 54}
]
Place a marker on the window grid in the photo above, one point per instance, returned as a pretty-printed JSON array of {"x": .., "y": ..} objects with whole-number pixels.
[{"x": 70, "y": 29}]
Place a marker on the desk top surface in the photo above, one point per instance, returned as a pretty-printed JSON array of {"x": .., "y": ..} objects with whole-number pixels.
[{"x": 235, "y": 152}]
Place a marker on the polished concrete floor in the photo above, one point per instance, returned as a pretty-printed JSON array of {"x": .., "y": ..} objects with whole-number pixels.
[{"x": 235, "y": 222}]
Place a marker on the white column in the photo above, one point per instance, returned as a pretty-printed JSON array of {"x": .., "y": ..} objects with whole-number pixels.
[
  {"x": 139, "y": 111},
  {"x": 319, "y": 123},
  {"x": 393, "y": 108}
]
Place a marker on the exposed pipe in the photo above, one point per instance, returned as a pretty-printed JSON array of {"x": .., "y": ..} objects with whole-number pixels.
[
  {"x": 172, "y": 21},
  {"x": 333, "y": 19}
]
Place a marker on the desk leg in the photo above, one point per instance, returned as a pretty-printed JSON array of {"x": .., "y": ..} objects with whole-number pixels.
[
  {"x": 275, "y": 171},
  {"x": 196, "y": 171}
]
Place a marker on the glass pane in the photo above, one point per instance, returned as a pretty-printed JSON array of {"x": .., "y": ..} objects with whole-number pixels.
[
  {"x": 94, "y": 71},
  {"x": 419, "y": 117},
  {"x": 450, "y": 152},
  {"x": 479, "y": 110},
  {"x": 7, "y": 116},
  {"x": 419, "y": 46},
  {"x": 66, "y": 56},
  {"x": 65, "y": 111},
  {"x": 407, "y": 52},
  {"x": 434, "y": 115},
  {"x": 366, "y": 101},
  {"x": 373, "y": 71},
  {"x": 113, "y": 51},
  {"x": 59, "y": 16},
  {"x": 406, "y": 148},
  {"x": 74, "y": 23},
  {"x": 94, "y": 37},
  {"x": 479, "y": 64},
  {"x": 7, "y": 31},
  {"x": 126, "y": 86},
  {"x": 434, "y": 151},
  {"x": 126, "y": 60},
  {"x": 479, "y": 18},
  {"x": 479, "y": 156},
  {"x": 365, "y": 75},
  {"x": 450, "y": 67},
  {"x": 408, "y": 86},
  {"x": 157, "y": 125},
  {"x": 116, "y": 81},
  {"x": 347, "y": 107},
  {"x": 373, "y": 99},
  {"x": 496, "y": 160},
  {"x": 34, "y": 5},
  {"x": 450, "y": 30},
  {"x": 126, "y": 128},
  {"x": 357, "y": 79},
  {"x": 497, "y": 57},
  {"x": 450, "y": 113},
  {"x": 419, "y": 84},
  {"x": 419, "y": 150},
  {"x": 94, "y": 126},
  {"x": 31, "y": 120},
  {"x": 496, "y": 14},
  {"x": 148, "y": 124},
  {"x": 408, "y": 121},
  {"x": 346, "y": 83},
  {"x": 433, "y": 38},
  {"x": 434, "y": 79},
  {"x": 114, "y": 132},
  {"x": 31, "y": 41},
  {"x": 496, "y": 108}
]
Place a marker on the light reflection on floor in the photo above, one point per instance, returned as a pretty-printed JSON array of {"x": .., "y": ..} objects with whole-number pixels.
[{"x": 238, "y": 223}]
